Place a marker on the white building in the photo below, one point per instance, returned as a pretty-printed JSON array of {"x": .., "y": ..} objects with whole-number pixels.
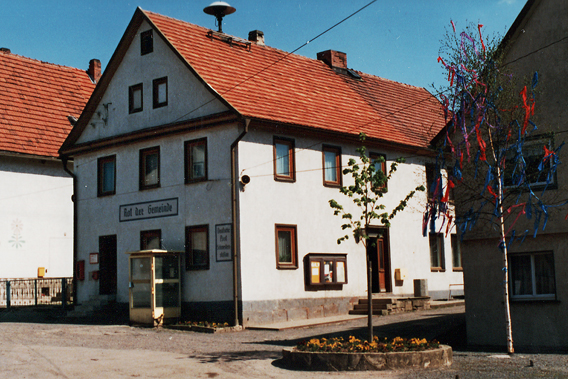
[
  {"x": 201, "y": 142},
  {"x": 37, "y": 102}
]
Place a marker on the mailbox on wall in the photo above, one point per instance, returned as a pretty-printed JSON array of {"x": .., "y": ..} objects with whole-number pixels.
[
  {"x": 80, "y": 270},
  {"x": 154, "y": 286}
]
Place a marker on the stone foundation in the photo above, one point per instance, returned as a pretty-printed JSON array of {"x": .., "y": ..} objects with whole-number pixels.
[{"x": 271, "y": 311}]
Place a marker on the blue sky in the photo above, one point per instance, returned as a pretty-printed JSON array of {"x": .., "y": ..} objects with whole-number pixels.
[{"x": 397, "y": 40}]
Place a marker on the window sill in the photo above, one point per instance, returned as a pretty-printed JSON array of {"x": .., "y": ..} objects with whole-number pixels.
[
  {"x": 534, "y": 300},
  {"x": 191, "y": 181},
  {"x": 534, "y": 187},
  {"x": 437, "y": 269},
  {"x": 197, "y": 268},
  {"x": 284, "y": 179},
  {"x": 332, "y": 185},
  {"x": 457, "y": 269},
  {"x": 324, "y": 287},
  {"x": 106, "y": 194},
  {"x": 286, "y": 267},
  {"x": 149, "y": 187}
]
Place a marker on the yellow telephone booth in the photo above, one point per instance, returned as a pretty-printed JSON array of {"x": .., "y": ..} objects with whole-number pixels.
[{"x": 154, "y": 286}]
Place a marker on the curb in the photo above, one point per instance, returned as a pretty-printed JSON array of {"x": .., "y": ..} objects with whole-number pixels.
[{"x": 426, "y": 359}]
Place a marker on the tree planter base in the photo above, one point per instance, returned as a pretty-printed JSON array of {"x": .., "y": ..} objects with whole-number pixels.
[
  {"x": 425, "y": 359},
  {"x": 206, "y": 329}
]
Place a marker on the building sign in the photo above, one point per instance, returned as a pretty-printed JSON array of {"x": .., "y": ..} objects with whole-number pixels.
[
  {"x": 94, "y": 258},
  {"x": 224, "y": 242},
  {"x": 148, "y": 209}
]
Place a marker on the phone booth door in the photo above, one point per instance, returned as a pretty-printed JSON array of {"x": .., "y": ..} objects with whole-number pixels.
[
  {"x": 141, "y": 290},
  {"x": 167, "y": 300}
]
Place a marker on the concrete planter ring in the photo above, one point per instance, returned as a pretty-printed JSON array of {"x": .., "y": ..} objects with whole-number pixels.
[{"x": 324, "y": 361}]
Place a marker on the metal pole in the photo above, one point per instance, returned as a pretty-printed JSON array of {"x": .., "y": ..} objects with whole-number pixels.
[
  {"x": 63, "y": 292},
  {"x": 8, "y": 294},
  {"x": 35, "y": 291},
  {"x": 369, "y": 299}
]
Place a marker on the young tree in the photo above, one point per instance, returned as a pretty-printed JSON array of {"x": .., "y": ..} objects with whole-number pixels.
[
  {"x": 369, "y": 186},
  {"x": 489, "y": 150}
]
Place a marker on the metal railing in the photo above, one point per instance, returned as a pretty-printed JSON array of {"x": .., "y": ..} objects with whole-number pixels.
[{"x": 34, "y": 292}]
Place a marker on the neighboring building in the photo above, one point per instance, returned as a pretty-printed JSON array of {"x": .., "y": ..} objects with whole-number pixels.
[
  {"x": 538, "y": 266},
  {"x": 38, "y": 102},
  {"x": 200, "y": 142}
]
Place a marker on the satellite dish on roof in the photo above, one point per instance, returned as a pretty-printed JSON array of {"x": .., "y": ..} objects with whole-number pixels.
[{"x": 219, "y": 9}]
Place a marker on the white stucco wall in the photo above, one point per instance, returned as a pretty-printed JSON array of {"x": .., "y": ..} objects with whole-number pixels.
[
  {"x": 36, "y": 227},
  {"x": 187, "y": 97},
  {"x": 263, "y": 203},
  {"x": 266, "y": 202},
  {"x": 198, "y": 203}
]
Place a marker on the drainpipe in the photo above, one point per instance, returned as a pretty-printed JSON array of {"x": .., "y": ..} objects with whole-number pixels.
[
  {"x": 236, "y": 234},
  {"x": 65, "y": 160}
]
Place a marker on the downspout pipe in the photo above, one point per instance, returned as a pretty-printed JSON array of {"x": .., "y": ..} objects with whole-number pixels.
[
  {"x": 235, "y": 224},
  {"x": 65, "y": 160}
]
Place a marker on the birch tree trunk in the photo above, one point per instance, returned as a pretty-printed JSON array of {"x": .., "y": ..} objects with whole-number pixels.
[{"x": 508, "y": 327}]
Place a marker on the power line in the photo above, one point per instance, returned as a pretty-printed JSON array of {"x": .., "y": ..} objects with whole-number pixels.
[
  {"x": 278, "y": 60},
  {"x": 421, "y": 101},
  {"x": 536, "y": 51}
]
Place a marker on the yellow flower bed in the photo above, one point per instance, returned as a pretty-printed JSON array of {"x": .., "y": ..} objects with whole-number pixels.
[
  {"x": 206, "y": 324},
  {"x": 355, "y": 345}
]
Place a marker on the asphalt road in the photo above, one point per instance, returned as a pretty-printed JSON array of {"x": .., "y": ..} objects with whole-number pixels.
[{"x": 41, "y": 345}]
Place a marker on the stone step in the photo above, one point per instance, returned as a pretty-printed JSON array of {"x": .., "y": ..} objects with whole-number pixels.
[
  {"x": 94, "y": 305},
  {"x": 382, "y": 300},
  {"x": 375, "y": 306},
  {"x": 376, "y": 312},
  {"x": 390, "y": 305}
]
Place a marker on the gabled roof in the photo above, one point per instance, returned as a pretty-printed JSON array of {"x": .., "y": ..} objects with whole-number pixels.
[
  {"x": 270, "y": 85},
  {"x": 36, "y": 99},
  {"x": 519, "y": 22}
]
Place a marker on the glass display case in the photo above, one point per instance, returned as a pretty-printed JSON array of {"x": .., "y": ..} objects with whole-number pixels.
[
  {"x": 154, "y": 284},
  {"x": 326, "y": 270}
]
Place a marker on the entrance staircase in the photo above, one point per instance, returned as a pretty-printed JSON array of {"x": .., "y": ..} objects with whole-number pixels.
[
  {"x": 100, "y": 308},
  {"x": 383, "y": 306}
]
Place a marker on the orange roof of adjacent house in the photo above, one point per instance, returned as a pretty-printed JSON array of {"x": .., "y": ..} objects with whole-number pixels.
[
  {"x": 35, "y": 99},
  {"x": 270, "y": 84}
]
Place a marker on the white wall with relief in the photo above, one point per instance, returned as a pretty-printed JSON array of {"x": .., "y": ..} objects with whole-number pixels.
[{"x": 36, "y": 227}]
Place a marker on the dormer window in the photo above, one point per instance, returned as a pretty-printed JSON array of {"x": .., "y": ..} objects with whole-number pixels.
[{"x": 146, "y": 42}]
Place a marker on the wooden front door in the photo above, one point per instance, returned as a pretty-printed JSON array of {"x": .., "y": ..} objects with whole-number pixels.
[
  {"x": 380, "y": 263},
  {"x": 107, "y": 265}
]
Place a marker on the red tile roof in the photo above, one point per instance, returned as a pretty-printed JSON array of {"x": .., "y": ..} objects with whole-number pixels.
[
  {"x": 270, "y": 84},
  {"x": 35, "y": 99},
  {"x": 266, "y": 84}
]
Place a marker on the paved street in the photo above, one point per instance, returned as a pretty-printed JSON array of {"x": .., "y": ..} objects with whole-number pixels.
[{"x": 33, "y": 349}]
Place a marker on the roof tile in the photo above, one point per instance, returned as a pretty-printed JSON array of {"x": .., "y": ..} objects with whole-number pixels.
[
  {"x": 270, "y": 84},
  {"x": 35, "y": 99}
]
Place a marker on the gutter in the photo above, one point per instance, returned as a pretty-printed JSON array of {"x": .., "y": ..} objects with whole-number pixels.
[
  {"x": 65, "y": 160},
  {"x": 236, "y": 234}
]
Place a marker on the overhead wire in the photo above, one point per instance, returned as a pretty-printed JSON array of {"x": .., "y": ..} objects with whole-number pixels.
[
  {"x": 390, "y": 114},
  {"x": 278, "y": 60}
]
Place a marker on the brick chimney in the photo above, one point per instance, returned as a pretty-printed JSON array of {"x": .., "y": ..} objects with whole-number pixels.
[
  {"x": 334, "y": 59},
  {"x": 257, "y": 37},
  {"x": 94, "y": 70}
]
